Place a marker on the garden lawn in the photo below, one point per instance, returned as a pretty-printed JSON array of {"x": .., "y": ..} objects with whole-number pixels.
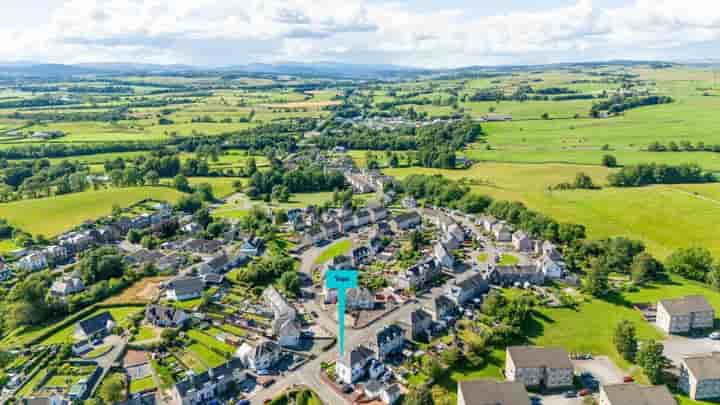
[
  {"x": 211, "y": 342},
  {"x": 65, "y": 335},
  {"x": 142, "y": 385},
  {"x": 207, "y": 356},
  {"x": 336, "y": 249},
  {"x": 54, "y": 215},
  {"x": 492, "y": 369},
  {"x": 144, "y": 333},
  {"x": 508, "y": 260}
]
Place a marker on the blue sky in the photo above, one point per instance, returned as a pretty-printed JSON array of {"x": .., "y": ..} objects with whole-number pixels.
[{"x": 423, "y": 33}]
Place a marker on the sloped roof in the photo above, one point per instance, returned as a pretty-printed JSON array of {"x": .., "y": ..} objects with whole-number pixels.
[
  {"x": 537, "y": 357},
  {"x": 633, "y": 394},
  {"x": 490, "y": 392}
]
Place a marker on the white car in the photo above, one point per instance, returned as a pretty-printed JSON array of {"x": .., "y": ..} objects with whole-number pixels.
[{"x": 715, "y": 336}]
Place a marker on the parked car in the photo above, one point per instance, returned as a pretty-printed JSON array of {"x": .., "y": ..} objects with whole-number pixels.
[
  {"x": 243, "y": 402},
  {"x": 268, "y": 383},
  {"x": 314, "y": 314},
  {"x": 535, "y": 400},
  {"x": 570, "y": 394},
  {"x": 347, "y": 388},
  {"x": 715, "y": 336},
  {"x": 584, "y": 392},
  {"x": 628, "y": 379}
]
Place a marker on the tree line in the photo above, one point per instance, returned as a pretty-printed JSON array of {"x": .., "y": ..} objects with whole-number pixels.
[{"x": 652, "y": 173}]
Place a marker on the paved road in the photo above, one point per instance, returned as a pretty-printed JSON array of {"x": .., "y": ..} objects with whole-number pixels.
[{"x": 309, "y": 374}]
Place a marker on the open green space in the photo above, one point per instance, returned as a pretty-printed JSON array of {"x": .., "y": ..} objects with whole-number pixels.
[
  {"x": 142, "y": 385},
  {"x": 664, "y": 217},
  {"x": 144, "y": 333},
  {"x": 54, "y": 215},
  {"x": 210, "y": 341},
  {"x": 508, "y": 260},
  {"x": 206, "y": 356},
  {"x": 336, "y": 249}
]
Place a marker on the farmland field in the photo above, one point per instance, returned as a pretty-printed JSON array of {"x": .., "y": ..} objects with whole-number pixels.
[
  {"x": 664, "y": 217},
  {"x": 54, "y": 215}
]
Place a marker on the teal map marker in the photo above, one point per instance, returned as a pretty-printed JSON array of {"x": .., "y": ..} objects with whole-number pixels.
[{"x": 342, "y": 280}]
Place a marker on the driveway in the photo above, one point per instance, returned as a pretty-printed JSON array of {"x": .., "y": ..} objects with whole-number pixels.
[
  {"x": 677, "y": 347},
  {"x": 604, "y": 370}
]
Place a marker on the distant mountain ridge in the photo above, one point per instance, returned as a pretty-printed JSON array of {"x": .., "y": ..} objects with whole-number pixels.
[{"x": 315, "y": 69}]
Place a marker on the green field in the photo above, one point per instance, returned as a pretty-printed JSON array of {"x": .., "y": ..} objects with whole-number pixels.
[
  {"x": 54, "y": 215},
  {"x": 65, "y": 335},
  {"x": 664, "y": 217},
  {"x": 210, "y": 341},
  {"x": 336, "y": 249}
]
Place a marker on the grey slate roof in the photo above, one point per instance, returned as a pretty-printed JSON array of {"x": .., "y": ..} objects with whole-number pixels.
[
  {"x": 537, "y": 357},
  {"x": 632, "y": 394},
  {"x": 95, "y": 324},
  {"x": 187, "y": 285},
  {"x": 686, "y": 305},
  {"x": 704, "y": 366},
  {"x": 490, "y": 392}
]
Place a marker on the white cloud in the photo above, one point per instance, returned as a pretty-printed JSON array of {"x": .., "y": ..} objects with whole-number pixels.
[{"x": 214, "y": 32}]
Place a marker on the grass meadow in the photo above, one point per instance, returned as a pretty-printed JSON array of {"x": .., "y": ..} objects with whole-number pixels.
[
  {"x": 664, "y": 217},
  {"x": 54, "y": 215}
]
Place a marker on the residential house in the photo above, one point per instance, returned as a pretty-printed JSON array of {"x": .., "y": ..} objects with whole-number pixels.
[
  {"x": 32, "y": 262},
  {"x": 359, "y": 298},
  {"x": 361, "y": 218},
  {"x": 330, "y": 230},
  {"x": 391, "y": 394},
  {"x": 56, "y": 254},
  {"x": 262, "y": 355},
  {"x": 467, "y": 289},
  {"x": 359, "y": 183},
  {"x": 681, "y": 315},
  {"x": 550, "y": 250},
  {"x": 373, "y": 389},
  {"x": 184, "y": 288},
  {"x": 442, "y": 257},
  {"x": 700, "y": 376},
  {"x": 360, "y": 255},
  {"x": 202, "y": 246},
  {"x": 443, "y": 307},
  {"x": 420, "y": 323},
  {"x": 142, "y": 257},
  {"x": 502, "y": 232},
  {"x": 172, "y": 261},
  {"x": 313, "y": 236},
  {"x": 550, "y": 268},
  {"x": 390, "y": 340},
  {"x": 351, "y": 367},
  {"x": 418, "y": 276},
  {"x": 165, "y": 317},
  {"x": 521, "y": 242},
  {"x": 512, "y": 274},
  {"x": 539, "y": 367},
  {"x": 191, "y": 228},
  {"x": 5, "y": 271},
  {"x": 403, "y": 222},
  {"x": 376, "y": 246},
  {"x": 377, "y": 212},
  {"x": 491, "y": 392},
  {"x": 205, "y": 387},
  {"x": 98, "y": 326},
  {"x": 345, "y": 223},
  {"x": 67, "y": 286},
  {"x": 633, "y": 394},
  {"x": 488, "y": 223},
  {"x": 409, "y": 203},
  {"x": 252, "y": 246},
  {"x": 285, "y": 325}
]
